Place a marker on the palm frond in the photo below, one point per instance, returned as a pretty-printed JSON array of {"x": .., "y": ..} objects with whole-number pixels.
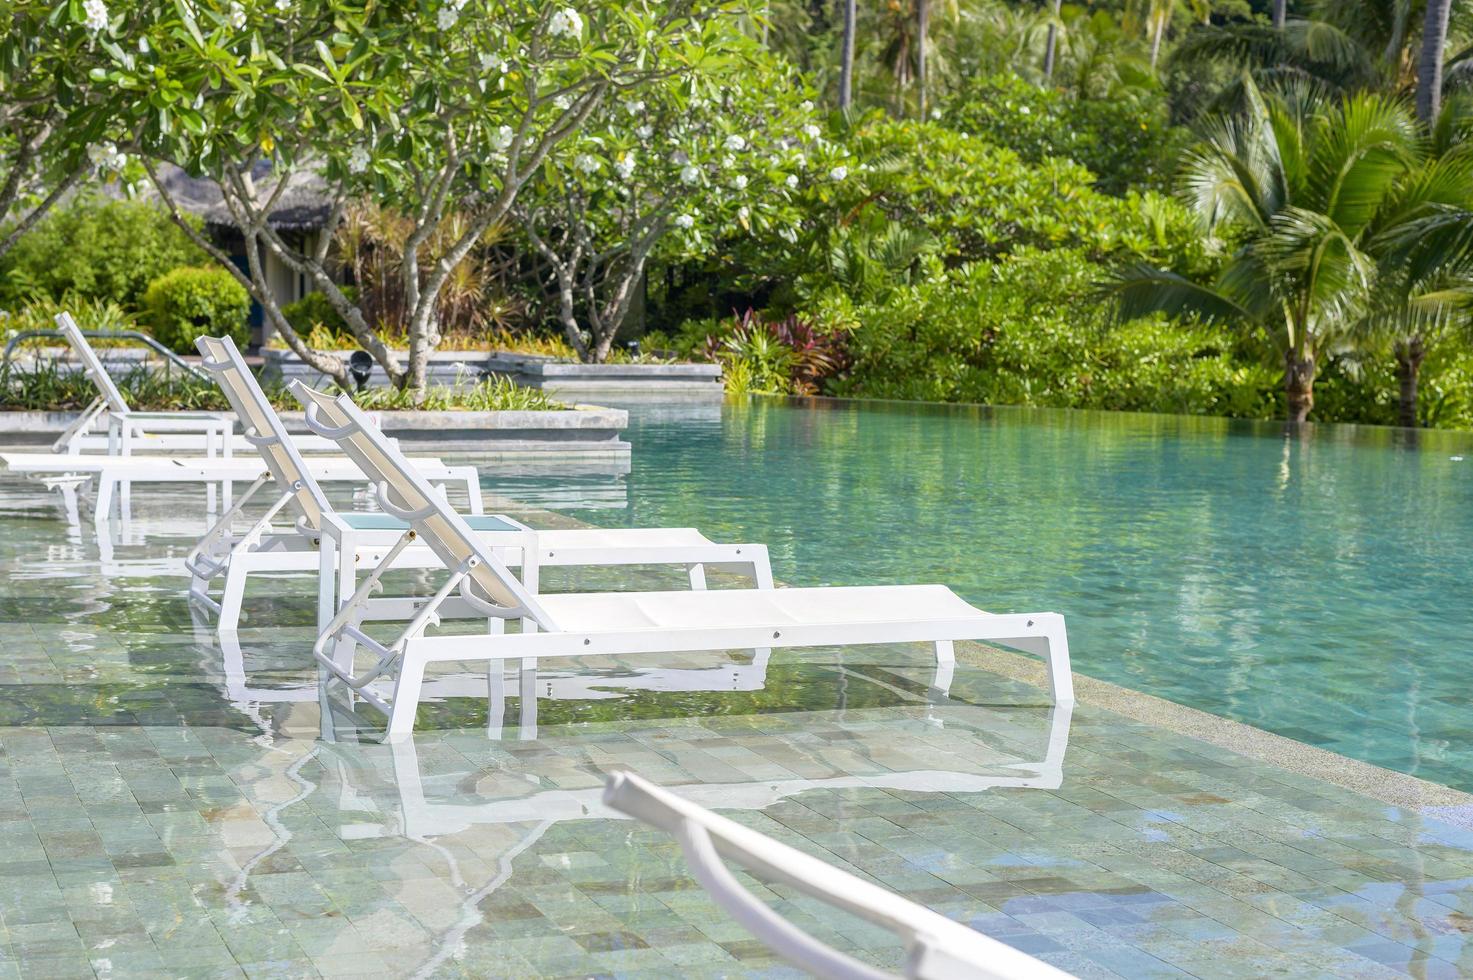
[{"x": 1140, "y": 290}]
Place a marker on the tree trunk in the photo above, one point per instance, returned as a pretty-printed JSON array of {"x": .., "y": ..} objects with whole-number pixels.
[
  {"x": 846, "y": 59},
  {"x": 1409, "y": 355},
  {"x": 1050, "y": 44},
  {"x": 1156, "y": 36},
  {"x": 1429, "y": 71},
  {"x": 1298, "y": 386},
  {"x": 1280, "y": 13},
  {"x": 923, "y": 23}
]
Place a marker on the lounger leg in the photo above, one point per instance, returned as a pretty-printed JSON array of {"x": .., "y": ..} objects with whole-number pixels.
[
  {"x": 495, "y": 698},
  {"x": 1060, "y": 680},
  {"x": 697, "y": 573},
  {"x": 762, "y": 569},
  {"x": 327, "y": 579},
  {"x": 406, "y": 699},
  {"x": 945, "y": 666},
  {"x": 103, "y": 506},
  {"x": 232, "y": 597},
  {"x": 527, "y": 689},
  {"x": 125, "y": 499}
]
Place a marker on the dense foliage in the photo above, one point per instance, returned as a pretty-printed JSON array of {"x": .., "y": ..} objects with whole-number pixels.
[
  {"x": 95, "y": 248},
  {"x": 1154, "y": 206}
]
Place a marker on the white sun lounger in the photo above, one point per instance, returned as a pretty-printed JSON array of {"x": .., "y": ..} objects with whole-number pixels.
[
  {"x": 129, "y": 431},
  {"x": 129, "y": 451},
  {"x": 616, "y": 623},
  {"x": 337, "y": 544},
  {"x": 936, "y": 947}
]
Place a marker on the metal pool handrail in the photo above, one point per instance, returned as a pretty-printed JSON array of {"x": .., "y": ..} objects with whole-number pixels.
[
  {"x": 142, "y": 338},
  {"x": 936, "y": 946}
]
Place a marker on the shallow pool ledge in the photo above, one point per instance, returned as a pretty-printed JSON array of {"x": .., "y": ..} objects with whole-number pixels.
[{"x": 1399, "y": 789}]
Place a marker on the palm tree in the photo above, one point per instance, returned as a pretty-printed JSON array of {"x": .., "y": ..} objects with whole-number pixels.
[
  {"x": 1280, "y": 13},
  {"x": 846, "y": 56},
  {"x": 1426, "y": 255},
  {"x": 1429, "y": 70},
  {"x": 1051, "y": 44},
  {"x": 1298, "y": 182},
  {"x": 923, "y": 17}
]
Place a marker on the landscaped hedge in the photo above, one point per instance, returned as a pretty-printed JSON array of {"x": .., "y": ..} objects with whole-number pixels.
[
  {"x": 1026, "y": 331},
  {"x": 188, "y": 303}
]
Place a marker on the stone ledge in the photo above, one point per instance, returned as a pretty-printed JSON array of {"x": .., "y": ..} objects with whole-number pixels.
[{"x": 587, "y": 430}]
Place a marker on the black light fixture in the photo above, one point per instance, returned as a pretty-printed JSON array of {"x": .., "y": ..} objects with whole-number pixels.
[{"x": 360, "y": 366}]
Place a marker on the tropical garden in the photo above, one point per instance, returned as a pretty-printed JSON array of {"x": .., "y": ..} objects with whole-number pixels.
[{"x": 1230, "y": 207}]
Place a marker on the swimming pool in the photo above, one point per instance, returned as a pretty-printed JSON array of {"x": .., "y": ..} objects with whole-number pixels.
[{"x": 1313, "y": 586}]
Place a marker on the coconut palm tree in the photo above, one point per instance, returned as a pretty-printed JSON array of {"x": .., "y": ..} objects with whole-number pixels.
[
  {"x": 1429, "y": 69},
  {"x": 1297, "y": 182}
]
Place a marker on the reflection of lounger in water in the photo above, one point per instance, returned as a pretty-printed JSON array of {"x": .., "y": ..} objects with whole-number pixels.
[{"x": 423, "y": 818}]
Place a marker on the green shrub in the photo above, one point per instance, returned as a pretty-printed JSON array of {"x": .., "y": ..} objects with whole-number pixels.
[
  {"x": 95, "y": 249},
  {"x": 193, "y": 302},
  {"x": 1024, "y": 331},
  {"x": 926, "y": 198},
  {"x": 1127, "y": 143},
  {"x": 313, "y": 311}
]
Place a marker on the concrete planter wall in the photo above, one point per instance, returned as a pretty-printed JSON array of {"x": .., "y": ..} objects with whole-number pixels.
[
  {"x": 568, "y": 434},
  {"x": 446, "y": 367},
  {"x": 622, "y": 381},
  {"x": 570, "y": 382}
]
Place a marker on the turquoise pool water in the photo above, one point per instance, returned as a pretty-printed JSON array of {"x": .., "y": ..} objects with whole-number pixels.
[{"x": 1314, "y": 586}]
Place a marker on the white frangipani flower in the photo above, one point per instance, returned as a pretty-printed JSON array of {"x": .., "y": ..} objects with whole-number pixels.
[
  {"x": 645, "y": 132},
  {"x": 685, "y": 221},
  {"x": 727, "y": 162},
  {"x": 447, "y": 18},
  {"x": 735, "y": 143},
  {"x": 624, "y": 166},
  {"x": 805, "y": 106},
  {"x": 96, "y": 12},
  {"x": 358, "y": 159},
  {"x": 634, "y": 106},
  {"x": 283, "y": 6},
  {"x": 792, "y": 181},
  {"x": 561, "y": 103},
  {"x": 490, "y": 62},
  {"x": 565, "y": 23},
  {"x": 811, "y": 131},
  {"x": 739, "y": 182},
  {"x": 105, "y": 156},
  {"x": 744, "y": 213},
  {"x": 502, "y": 138},
  {"x": 586, "y": 163},
  {"x": 237, "y": 16},
  {"x": 839, "y": 173},
  {"x": 690, "y": 173}
]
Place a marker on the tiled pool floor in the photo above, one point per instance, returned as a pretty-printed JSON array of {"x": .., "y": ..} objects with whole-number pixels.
[{"x": 169, "y": 807}]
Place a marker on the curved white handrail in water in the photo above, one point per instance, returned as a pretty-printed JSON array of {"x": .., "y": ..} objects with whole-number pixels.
[{"x": 937, "y": 947}]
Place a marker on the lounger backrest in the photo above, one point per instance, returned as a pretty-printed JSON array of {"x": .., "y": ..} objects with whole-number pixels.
[
  {"x": 404, "y": 493},
  {"x": 264, "y": 429},
  {"x": 91, "y": 363}
]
